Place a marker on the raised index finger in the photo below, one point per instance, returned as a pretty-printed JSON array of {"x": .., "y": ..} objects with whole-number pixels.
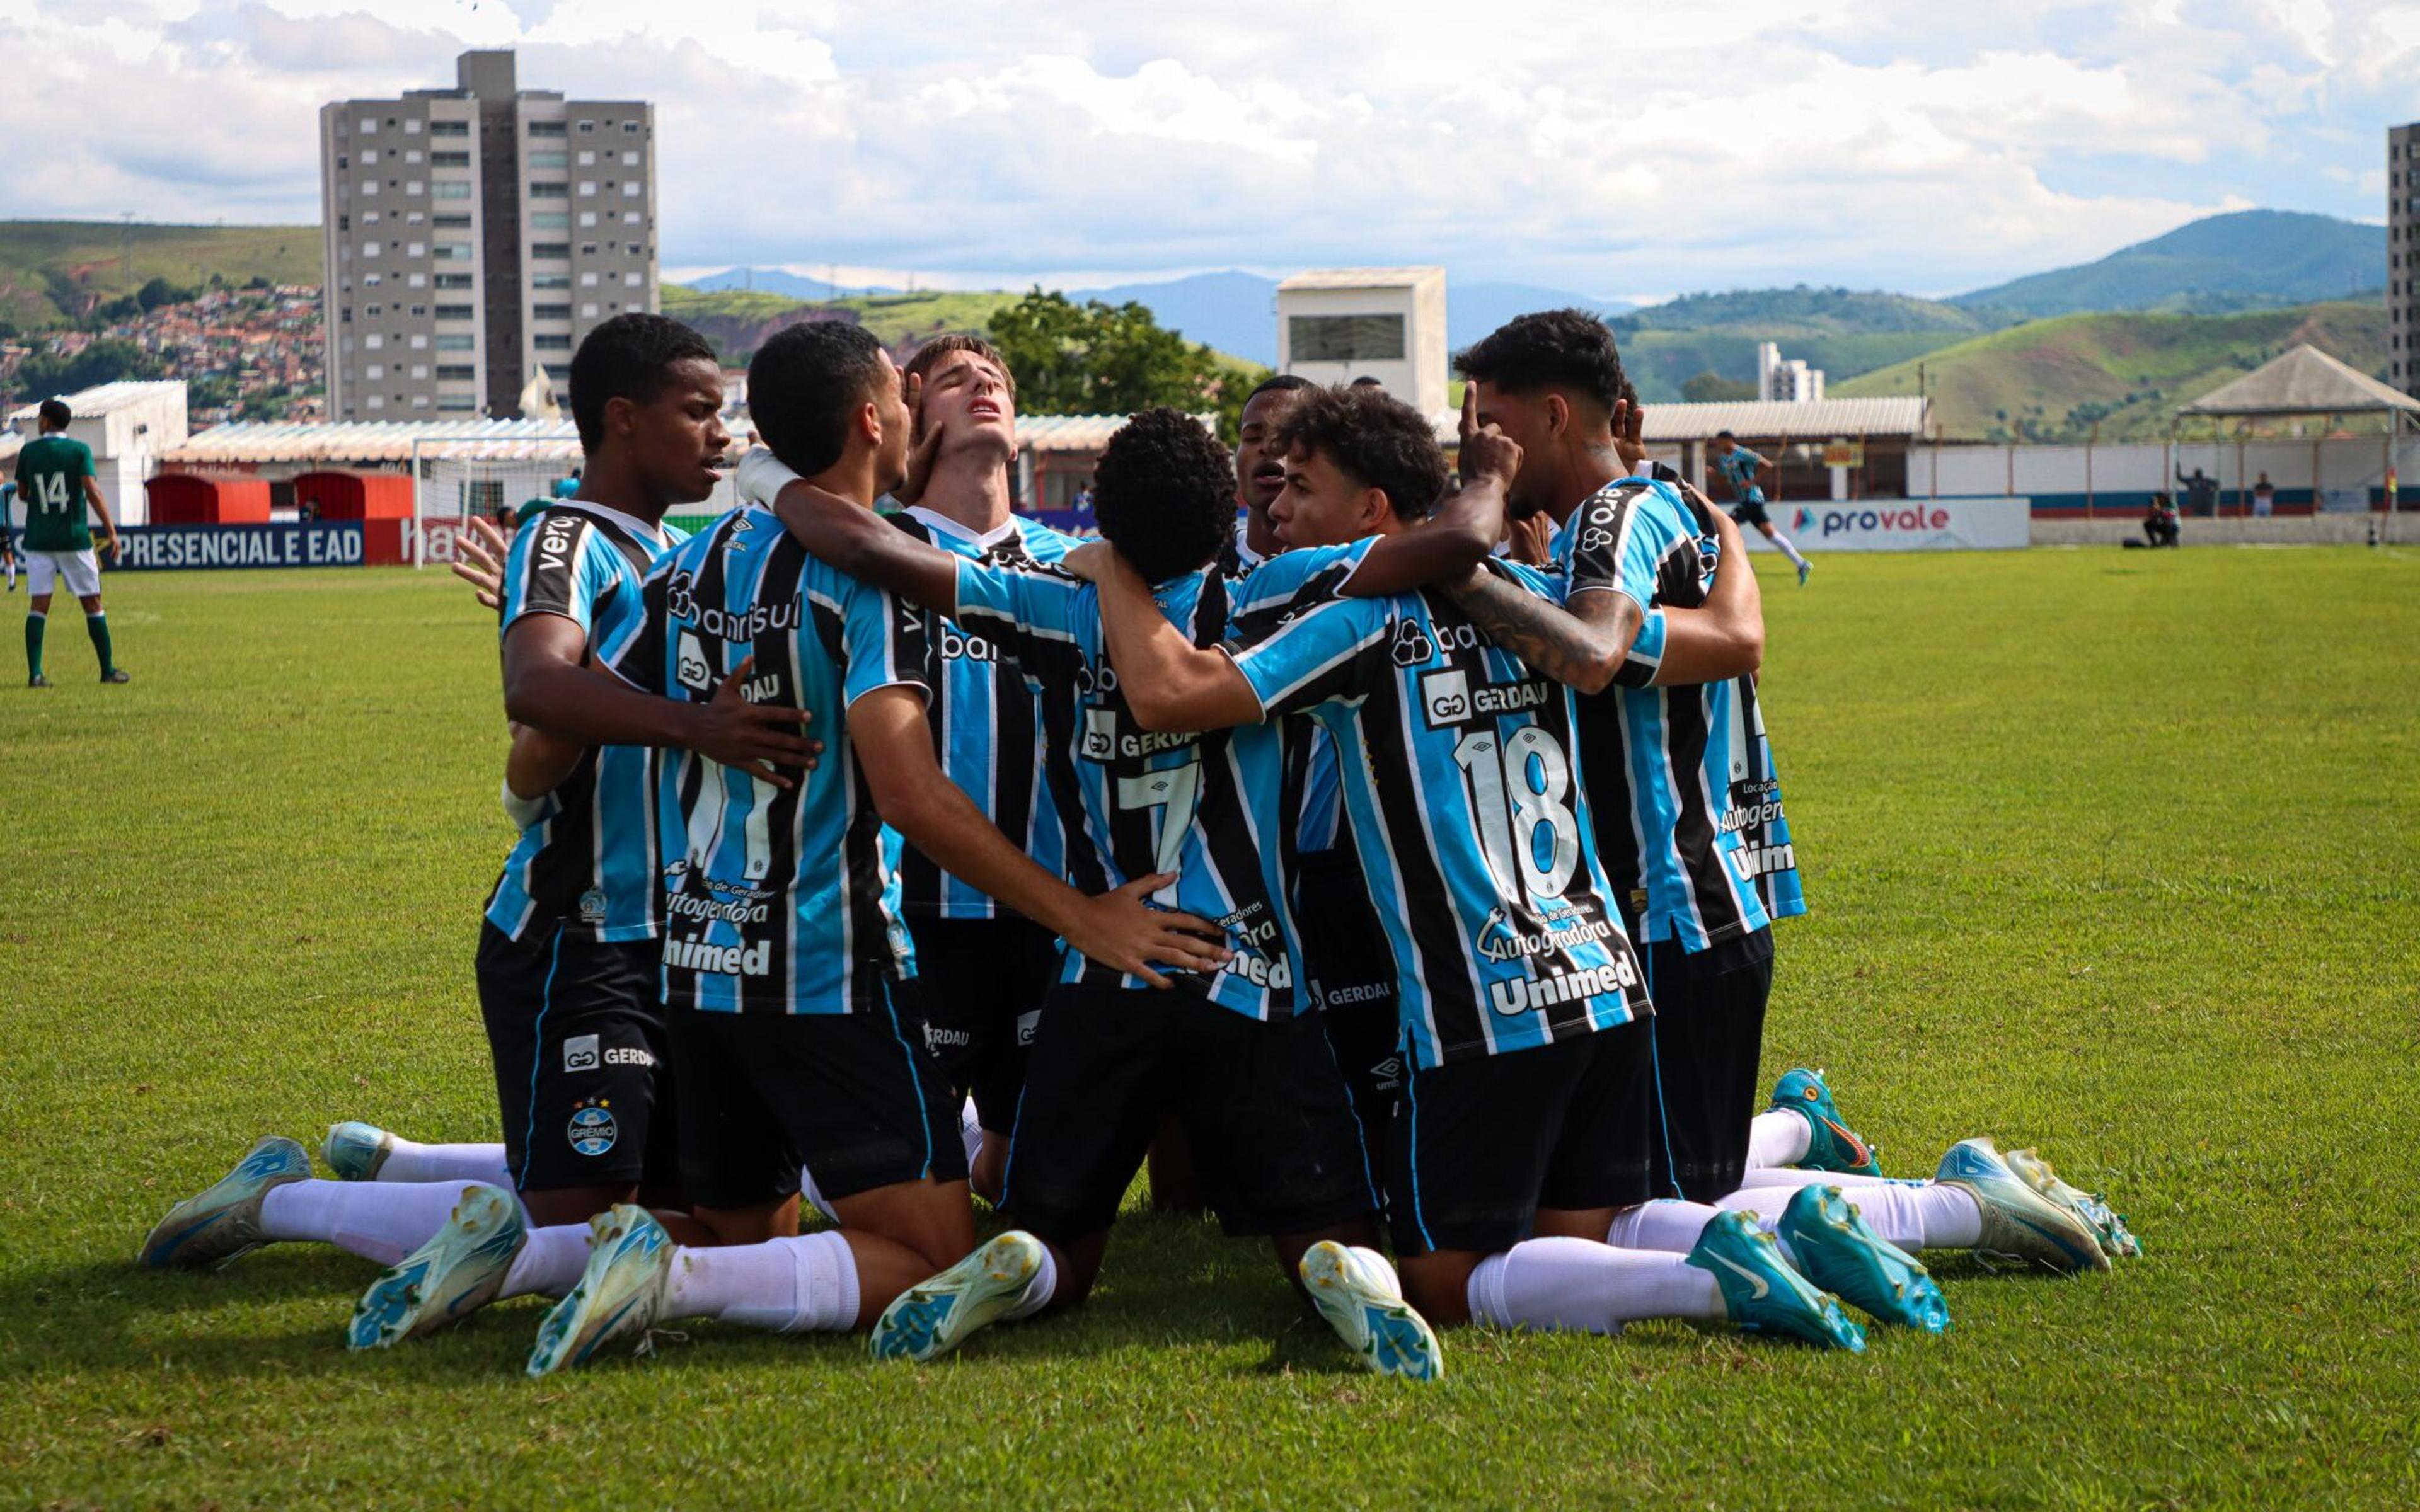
[{"x": 1469, "y": 408}]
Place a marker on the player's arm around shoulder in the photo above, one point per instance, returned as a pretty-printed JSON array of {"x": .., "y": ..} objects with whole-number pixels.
[
  {"x": 895, "y": 749},
  {"x": 848, "y": 537},
  {"x": 1723, "y": 638},
  {"x": 1169, "y": 684},
  {"x": 1581, "y": 642}
]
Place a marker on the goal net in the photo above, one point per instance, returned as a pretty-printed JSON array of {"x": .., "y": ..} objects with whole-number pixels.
[{"x": 455, "y": 489}]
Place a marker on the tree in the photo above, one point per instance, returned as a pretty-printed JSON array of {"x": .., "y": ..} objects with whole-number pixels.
[
  {"x": 1712, "y": 388},
  {"x": 44, "y": 373},
  {"x": 1099, "y": 359},
  {"x": 159, "y": 291}
]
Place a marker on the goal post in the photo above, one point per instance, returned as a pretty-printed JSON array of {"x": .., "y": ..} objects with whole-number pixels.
[{"x": 453, "y": 488}]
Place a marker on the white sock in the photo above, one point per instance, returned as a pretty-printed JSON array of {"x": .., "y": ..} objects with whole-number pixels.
[
  {"x": 1665, "y": 1224},
  {"x": 377, "y": 1220},
  {"x": 970, "y": 1133},
  {"x": 787, "y": 1286},
  {"x": 1912, "y": 1215},
  {"x": 408, "y": 1161},
  {"x": 1038, "y": 1291},
  {"x": 1788, "y": 550},
  {"x": 1578, "y": 1284},
  {"x": 549, "y": 1262},
  {"x": 1779, "y": 1137},
  {"x": 1781, "y": 1178}
]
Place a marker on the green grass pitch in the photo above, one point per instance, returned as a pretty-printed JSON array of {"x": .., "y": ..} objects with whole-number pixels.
[{"x": 2111, "y": 853}]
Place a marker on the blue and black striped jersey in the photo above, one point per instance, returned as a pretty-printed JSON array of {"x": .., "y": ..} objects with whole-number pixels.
[
  {"x": 1741, "y": 766},
  {"x": 777, "y": 899},
  {"x": 1138, "y": 803},
  {"x": 586, "y": 855},
  {"x": 986, "y": 723},
  {"x": 1651, "y": 758},
  {"x": 1472, "y": 825}
]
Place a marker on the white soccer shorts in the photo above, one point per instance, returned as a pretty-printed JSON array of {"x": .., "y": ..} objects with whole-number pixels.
[{"x": 77, "y": 569}]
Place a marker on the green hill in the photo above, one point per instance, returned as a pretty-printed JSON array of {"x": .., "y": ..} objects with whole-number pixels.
[
  {"x": 1843, "y": 332},
  {"x": 50, "y": 270},
  {"x": 2247, "y": 260},
  {"x": 2053, "y": 380},
  {"x": 1772, "y": 313}
]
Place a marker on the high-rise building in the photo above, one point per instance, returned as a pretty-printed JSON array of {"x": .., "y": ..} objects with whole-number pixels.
[
  {"x": 1786, "y": 380},
  {"x": 2402, "y": 222},
  {"x": 472, "y": 235}
]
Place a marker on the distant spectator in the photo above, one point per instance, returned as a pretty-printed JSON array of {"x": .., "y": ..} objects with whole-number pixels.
[
  {"x": 1083, "y": 503},
  {"x": 2160, "y": 526},
  {"x": 2201, "y": 492},
  {"x": 2264, "y": 497}
]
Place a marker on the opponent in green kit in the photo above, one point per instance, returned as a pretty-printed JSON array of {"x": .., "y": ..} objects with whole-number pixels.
[{"x": 54, "y": 476}]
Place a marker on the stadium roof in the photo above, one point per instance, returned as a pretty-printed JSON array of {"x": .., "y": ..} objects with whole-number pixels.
[
  {"x": 1358, "y": 278},
  {"x": 105, "y": 398},
  {"x": 2304, "y": 382},
  {"x": 252, "y": 443},
  {"x": 1762, "y": 420}
]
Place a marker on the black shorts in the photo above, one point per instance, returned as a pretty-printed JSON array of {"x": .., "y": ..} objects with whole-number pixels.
[
  {"x": 1750, "y": 512},
  {"x": 576, "y": 1030},
  {"x": 981, "y": 982},
  {"x": 1708, "y": 1032},
  {"x": 1275, "y": 1143},
  {"x": 1479, "y": 1146},
  {"x": 1351, "y": 974},
  {"x": 854, "y": 1097}
]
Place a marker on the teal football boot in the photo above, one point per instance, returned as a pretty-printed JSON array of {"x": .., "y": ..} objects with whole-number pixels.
[
  {"x": 222, "y": 1220},
  {"x": 2117, "y": 1241},
  {"x": 932, "y": 1318},
  {"x": 1367, "y": 1309},
  {"x": 1762, "y": 1294},
  {"x": 2019, "y": 1223},
  {"x": 1830, "y": 1143},
  {"x": 355, "y": 1150},
  {"x": 1831, "y": 1243},
  {"x": 629, "y": 1265},
  {"x": 457, "y": 1272}
]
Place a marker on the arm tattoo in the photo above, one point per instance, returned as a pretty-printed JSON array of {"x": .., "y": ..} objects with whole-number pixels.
[{"x": 1567, "y": 647}]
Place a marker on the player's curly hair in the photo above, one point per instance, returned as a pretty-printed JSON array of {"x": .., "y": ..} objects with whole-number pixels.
[
  {"x": 803, "y": 385},
  {"x": 627, "y": 358},
  {"x": 1372, "y": 438},
  {"x": 1164, "y": 493},
  {"x": 1568, "y": 350}
]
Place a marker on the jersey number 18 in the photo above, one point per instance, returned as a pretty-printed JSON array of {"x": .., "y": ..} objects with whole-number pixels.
[{"x": 1518, "y": 786}]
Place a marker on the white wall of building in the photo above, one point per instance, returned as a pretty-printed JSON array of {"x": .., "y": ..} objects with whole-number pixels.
[{"x": 1418, "y": 376}]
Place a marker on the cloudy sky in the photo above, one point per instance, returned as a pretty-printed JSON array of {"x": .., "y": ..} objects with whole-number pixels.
[{"x": 1610, "y": 149}]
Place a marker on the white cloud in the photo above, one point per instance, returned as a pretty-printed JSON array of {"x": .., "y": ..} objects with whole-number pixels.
[{"x": 1885, "y": 143}]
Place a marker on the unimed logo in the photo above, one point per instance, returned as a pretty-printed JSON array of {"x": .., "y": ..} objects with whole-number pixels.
[{"x": 1910, "y": 517}]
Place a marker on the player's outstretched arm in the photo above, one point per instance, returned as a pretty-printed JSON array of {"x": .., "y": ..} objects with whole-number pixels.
[
  {"x": 546, "y": 686},
  {"x": 1169, "y": 683},
  {"x": 1725, "y": 637},
  {"x": 843, "y": 533},
  {"x": 895, "y": 749}
]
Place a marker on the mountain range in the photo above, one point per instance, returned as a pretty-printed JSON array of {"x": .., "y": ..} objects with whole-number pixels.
[{"x": 2223, "y": 264}]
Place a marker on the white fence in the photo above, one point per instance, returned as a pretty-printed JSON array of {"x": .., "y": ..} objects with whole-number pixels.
[{"x": 2344, "y": 473}]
